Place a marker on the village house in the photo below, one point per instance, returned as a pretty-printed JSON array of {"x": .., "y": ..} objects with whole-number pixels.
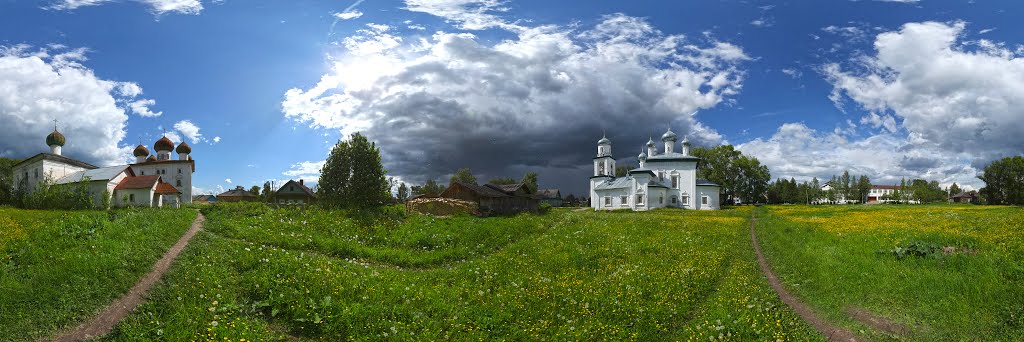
[
  {"x": 204, "y": 199},
  {"x": 238, "y": 194},
  {"x": 495, "y": 199},
  {"x": 664, "y": 180},
  {"x": 551, "y": 197},
  {"x": 965, "y": 197},
  {"x": 294, "y": 192},
  {"x": 151, "y": 181}
]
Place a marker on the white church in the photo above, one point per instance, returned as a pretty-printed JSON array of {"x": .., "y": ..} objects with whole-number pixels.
[
  {"x": 663, "y": 180},
  {"x": 152, "y": 181}
]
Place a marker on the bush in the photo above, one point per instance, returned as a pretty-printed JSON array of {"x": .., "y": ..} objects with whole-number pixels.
[{"x": 544, "y": 208}]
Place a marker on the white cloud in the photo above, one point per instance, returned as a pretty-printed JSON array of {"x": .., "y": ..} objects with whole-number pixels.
[
  {"x": 158, "y": 7},
  {"x": 141, "y": 107},
  {"x": 307, "y": 170},
  {"x": 943, "y": 94},
  {"x": 348, "y": 15},
  {"x": 416, "y": 27},
  {"x": 466, "y": 14},
  {"x": 792, "y": 72},
  {"x": 216, "y": 140},
  {"x": 39, "y": 86},
  {"x": 189, "y": 130},
  {"x": 797, "y": 151},
  {"x": 514, "y": 99},
  {"x": 228, "y": 180}
]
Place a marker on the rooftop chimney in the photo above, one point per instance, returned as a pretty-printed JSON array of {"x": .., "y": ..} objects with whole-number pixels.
[{"x": 301, "y": 182}]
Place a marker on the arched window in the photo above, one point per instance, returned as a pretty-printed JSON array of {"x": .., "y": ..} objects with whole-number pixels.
[
  {"x": 673, "y": 199},
  {"x": 178, "y": 182}
]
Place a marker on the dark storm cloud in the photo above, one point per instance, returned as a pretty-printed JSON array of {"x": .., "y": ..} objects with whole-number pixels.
[{"x": 537, "y": 102}]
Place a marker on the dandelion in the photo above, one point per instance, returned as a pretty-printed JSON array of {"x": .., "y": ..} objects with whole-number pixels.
[{"x": 214, "y": 323}]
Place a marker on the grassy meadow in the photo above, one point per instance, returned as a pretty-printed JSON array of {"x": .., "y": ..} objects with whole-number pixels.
[
  {"x": 58, "y": 268},
  {"x": 958, "y": 275},
  {"x": 258, "y": 273}
]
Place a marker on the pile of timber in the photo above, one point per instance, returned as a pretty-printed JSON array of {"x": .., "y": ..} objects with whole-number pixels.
[{"x": 439, "y": 206}]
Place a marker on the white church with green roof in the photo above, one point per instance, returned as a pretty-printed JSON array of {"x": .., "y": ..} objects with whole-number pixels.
[{"x": 664, "y": 180}]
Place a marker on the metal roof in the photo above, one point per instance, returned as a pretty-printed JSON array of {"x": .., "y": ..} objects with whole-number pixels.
[
  {"x": 100, "y": 174},
  {"x": 674, "y": 156},
  {"x": 614, "y": 183},
  {"x": 56, "y": 158},
  {"x": 705, "y": 182}
]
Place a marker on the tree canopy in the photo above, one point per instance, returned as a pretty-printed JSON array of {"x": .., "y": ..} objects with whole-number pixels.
[
  {"x": 741, "y": 177},
  {"x": 353, "y": 176},
  {"x": 1004, "y": 181},
  {"x": 463, "y": 175}
]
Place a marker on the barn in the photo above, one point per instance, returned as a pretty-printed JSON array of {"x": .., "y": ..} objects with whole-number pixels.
[{"x": 493, "y": 199}]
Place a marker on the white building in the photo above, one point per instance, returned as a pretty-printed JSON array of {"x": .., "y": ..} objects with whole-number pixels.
[
  {"x": 667, "y": 179},
  {"x": 150, "y": 181}
]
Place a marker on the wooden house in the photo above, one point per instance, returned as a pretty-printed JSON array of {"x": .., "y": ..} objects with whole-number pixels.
[
  {"x": 495, "y": 199},
  {"x": 552, "y": 197},
  {"x": 238, "y": 194},
  {"x": 294, "y": 193}
]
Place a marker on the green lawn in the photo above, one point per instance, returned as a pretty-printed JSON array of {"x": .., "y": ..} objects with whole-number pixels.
[
  {"x": 58, "y": 268},
  {"x": 829, "y": 257},
  {"x": 259, "y": 274}
]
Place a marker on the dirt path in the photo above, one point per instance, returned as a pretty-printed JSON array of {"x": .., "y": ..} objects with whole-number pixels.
[
  {"x": 105, "y": 321},
  {"x": 831, "y": 332}
]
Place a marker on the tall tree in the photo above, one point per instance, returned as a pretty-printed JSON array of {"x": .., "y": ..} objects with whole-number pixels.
[
  {"x": 463, "y": 175},
  {"x": 430, "y": 188},
  {"x": 353, "y": 176},
  {"x": 738, "y": 177},
  {"x": 403, "y": 192},
  {"x": 255, "y": 190},
  {"x": 953, "y": 190},
  {"x": 268, "y": 192},
  {"x": 863, "y": 188},
  {"x": 530, "y": 180},
  {"x": 7, "y": 181},
  {"x": 1004, "y": 181},
  {"x": 844, "y": 185}
]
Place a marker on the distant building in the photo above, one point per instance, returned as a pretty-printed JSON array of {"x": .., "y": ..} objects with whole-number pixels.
[
  {"x": 294, "y": 192},
  {"x": 495, "y": 199},
  {"x": 552, "y": 197},
  {"x": 151, "y": 181},
  {"x": 882, "y": 193},
  {"x": 667, "y": 179},
  {"x": 965, "y": 197},
  {"x": 204, "y": 199},
  {"x": 877, "y": 194},
  {"x": 238, "y": 194}
]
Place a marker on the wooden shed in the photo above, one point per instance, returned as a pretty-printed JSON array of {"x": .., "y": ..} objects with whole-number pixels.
[{"x": 495, "y": 199}]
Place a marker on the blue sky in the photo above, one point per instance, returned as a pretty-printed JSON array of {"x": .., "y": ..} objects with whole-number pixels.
[{"x": 262, "y": 89}]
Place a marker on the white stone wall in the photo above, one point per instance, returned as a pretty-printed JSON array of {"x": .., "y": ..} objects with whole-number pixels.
[
  {"x": 712, "y": 193},
  {"x": 40, "y": 169},
  {"x": 170, "y": 174},
  {"x": 143, "y": 197}
]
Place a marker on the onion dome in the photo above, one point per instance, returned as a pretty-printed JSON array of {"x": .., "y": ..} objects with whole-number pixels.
[
  {"x": 650, "y": 142},
  {"x": 668, "y": 136},
  {"x": 604, "y": 141},
  {"x": 55, "y": 138},
  {"x": 163, "y": 144},
  {"x": 151, "y": 159},
  {"x": 140, "y": 151},
  {"x": 686, "y": 141},
  {"x": 642, "y": 156},
  {"x": 183, "y": 148}
]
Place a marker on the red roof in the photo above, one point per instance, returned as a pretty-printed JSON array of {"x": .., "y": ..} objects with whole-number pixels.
[
  {"x": 138, "y": 182},
  {"x": 165, "y": 188}
]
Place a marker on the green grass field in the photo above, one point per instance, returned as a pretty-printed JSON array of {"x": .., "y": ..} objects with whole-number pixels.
[
  {"x": 259, "y": 274},
  {"x": 829, "y": 257},
  {"x": 58, "y": 268}
]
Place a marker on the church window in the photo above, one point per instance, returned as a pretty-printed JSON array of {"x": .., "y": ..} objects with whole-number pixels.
[
  {"x": 142, "y": 173},
  {"x": 36, "y": 173},
  {"x": 179, "y": 171},
  {"x": 704, "y": 200},
  {"x": 673, "y": 199},
  {"x": 686, "y": 200},
  {"x": 639, "y": 199},
  {"x": 601, "y": 169},
  {"x": 178, "y": 182},
  {"x": 624, "y": 201},
  {"x": 131, "y": 197},
  {"x": 661, "y": 200},
  {"x": 661, "y": 175},
  {"x": 607, "y": 200},
  {"x": 675, "y": 182}
]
